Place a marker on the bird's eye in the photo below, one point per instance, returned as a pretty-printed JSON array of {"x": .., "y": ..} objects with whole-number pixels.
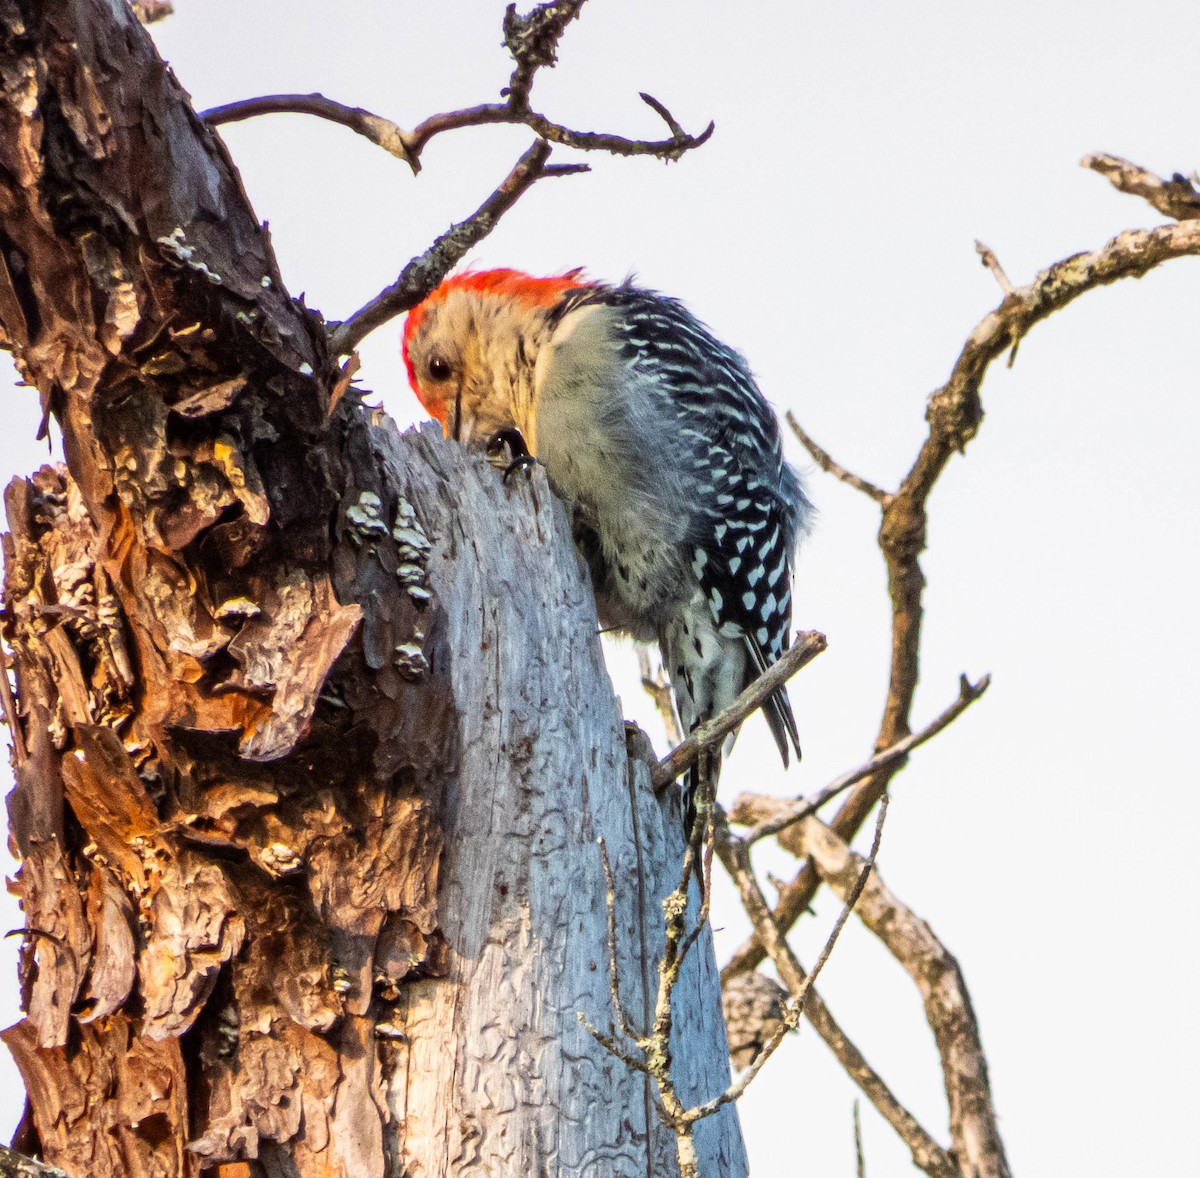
[{"x": 439, "y": 368}]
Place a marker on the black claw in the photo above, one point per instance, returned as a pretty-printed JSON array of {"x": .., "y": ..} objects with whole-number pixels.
[
  {"x": 525, "y": 462},
  {"x": 510, "y": 439},
  {"x": 506, "y": 448}
]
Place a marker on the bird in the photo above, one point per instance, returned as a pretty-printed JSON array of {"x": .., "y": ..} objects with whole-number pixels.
[{"x": 657, "y": 438}]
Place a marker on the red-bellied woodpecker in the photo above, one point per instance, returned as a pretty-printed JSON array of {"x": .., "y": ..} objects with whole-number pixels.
[{"x": 657, "y": 438}]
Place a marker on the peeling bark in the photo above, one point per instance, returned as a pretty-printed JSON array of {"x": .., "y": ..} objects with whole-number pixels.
[{"x": 315, "y": 736}]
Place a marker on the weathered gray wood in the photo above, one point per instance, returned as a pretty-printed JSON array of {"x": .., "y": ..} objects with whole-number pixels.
[
  {"x": 496, "y": 1075},
  {"x": 240, "y": 703}
]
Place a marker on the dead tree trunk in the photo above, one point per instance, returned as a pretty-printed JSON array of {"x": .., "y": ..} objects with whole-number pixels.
[{"x": 312, "y": 737}]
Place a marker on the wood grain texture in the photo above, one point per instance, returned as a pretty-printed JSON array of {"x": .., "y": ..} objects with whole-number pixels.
[
  {"x": 265, "y": 650},
  {"x": 517, "y": 1079}
]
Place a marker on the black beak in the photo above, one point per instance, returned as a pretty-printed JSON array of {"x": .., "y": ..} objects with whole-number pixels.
[{"x": 458, "y": 415}]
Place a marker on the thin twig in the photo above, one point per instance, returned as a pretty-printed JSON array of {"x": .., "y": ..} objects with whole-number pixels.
[
  {"x": 709, "y": 734},
  {"x": 658, "y": 688},
  {"x": 657, "y": 1045},
  {"x": 609, "y": 1040},
  {"x": 703, "y": 837},
  {"x": 735, "y": 854},
  {"x": 859, "y": 1160},
  {"x": 926, "y": 1153},
  {"x": 992, "y": 263},
  {"x": 954, "y": 413},
  {"x": 380, "y": 131},
  {"x": 611, "y": 1045},
  {"x": 1177, "y": 198},
  {"x": 974, "y": 1133},
  {"x": 424, "y": 272},
  {"x": 787, "y": 814},
  {"x": 825, "y": 462},
  {"x": 614, "y": 977},
  {"x": 500, "y": 112}
]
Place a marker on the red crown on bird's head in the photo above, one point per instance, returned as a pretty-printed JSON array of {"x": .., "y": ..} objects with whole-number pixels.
[{"x": 504, "y": 284}]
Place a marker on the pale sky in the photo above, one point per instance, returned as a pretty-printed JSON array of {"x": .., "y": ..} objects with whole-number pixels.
[{"x": 828, "y": 231}]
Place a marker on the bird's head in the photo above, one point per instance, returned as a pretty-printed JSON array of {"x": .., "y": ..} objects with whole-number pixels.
[{"x": 471, "y": 349}]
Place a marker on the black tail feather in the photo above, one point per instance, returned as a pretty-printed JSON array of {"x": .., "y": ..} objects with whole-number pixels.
[{"x": 778, "y": 712}]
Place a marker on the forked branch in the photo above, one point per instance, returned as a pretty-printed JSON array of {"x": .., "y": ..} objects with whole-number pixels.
[
  {"x": 532, "y": 41},
  {"x": 954, "y": 414},
  {"x": 408, "y": 145},
  {"x": 735, "y": 855},
  {"x": 774, "y": 815},
  {"x": 926, "y": 1153}
]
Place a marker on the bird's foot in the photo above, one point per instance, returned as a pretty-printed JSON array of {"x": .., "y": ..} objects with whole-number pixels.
[{"x": 506, "y": 450}]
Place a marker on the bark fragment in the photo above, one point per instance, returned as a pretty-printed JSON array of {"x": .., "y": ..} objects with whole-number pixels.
[{"x": 257, "y": 640}]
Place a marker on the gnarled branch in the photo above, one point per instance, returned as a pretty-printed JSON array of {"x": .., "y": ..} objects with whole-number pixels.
[
  {"x": 954, "y": 414},
  {"x": 1177, "y": 198}
]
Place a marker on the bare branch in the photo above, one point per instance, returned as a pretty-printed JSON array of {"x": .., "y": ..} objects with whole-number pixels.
[
  {"x": 822, "y": 458},
  {"x": 735, "y": 854},
  {"x": 782, "y": 814},
  {"x": 954, "y": 413},
  {"x": 1177, "y": 198},
  {"x": 658, "y": 688},
  {"x": 149, "y": 11},
  {"x": 709, "y": 734},
  {"x": 860, "y": 1166},
  {"x": 532, "y": 40},
  {"x": 501, "y": 112},
  {"x": 926, "y": 1153},
  {"x": 16, "y": 1165},
  {"x": 614, "y": 977},
  {"x": 424, "y": 272},
  {"x": 974, "y": 1134},
  {"x": 992, "y": 263},
  {"x": 380, "y": 131},
  {"x": 655, "y": 1047}
]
